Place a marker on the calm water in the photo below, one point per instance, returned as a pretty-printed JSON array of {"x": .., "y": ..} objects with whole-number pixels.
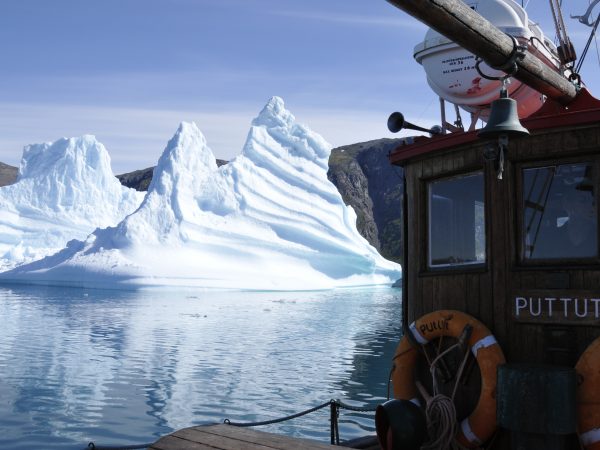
[{"x": 127, "y": 367}]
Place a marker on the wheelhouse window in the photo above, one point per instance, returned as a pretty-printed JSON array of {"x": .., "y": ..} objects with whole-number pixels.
[
  {"x": 560, "y": 212},
  {"x": 457, "y": 221}
]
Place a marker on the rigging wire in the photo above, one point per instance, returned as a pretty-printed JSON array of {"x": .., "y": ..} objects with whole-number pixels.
[
  {"x": 596, "y": 41},
  {"x": 566, "y": 51},
  {"x": 587, "y": 45}
]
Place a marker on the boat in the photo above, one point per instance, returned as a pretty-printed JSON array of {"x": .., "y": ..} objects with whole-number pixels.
[{"x": 501, "y": 267}]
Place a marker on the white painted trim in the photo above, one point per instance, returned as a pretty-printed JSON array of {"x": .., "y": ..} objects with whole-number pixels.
[
  {"x": 420, "y": 339},
  {"x": 466, "y": 429},
  {"x": 590, "y": 437},
  {"x": 416, "y": 401},
  {"x": 482, "y": 343}
]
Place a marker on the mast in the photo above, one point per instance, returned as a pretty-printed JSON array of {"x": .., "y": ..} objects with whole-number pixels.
[{"x": 461, "y": 24}]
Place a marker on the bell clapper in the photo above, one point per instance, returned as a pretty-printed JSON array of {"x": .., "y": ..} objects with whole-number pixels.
[{"x": 499, "y": 163}]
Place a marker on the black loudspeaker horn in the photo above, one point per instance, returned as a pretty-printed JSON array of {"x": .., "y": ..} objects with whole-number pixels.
[
  {"x": 396, "y": 123},
  {"x": 504, "y": 119}
]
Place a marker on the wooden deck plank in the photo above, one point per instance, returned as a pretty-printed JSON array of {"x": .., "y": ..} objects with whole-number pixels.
[
  {"x": 228, "y": 437},
  {"x": 175, "y": 443},
  {"x": 258, "y": 437},
  {"x": 193, "y": 438}
]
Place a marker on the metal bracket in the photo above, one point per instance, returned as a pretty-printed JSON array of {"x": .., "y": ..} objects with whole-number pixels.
[{"x": 510, "y": 66}]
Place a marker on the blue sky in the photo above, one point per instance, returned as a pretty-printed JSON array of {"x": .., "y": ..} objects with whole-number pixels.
[{"x": 128, "y": 71}]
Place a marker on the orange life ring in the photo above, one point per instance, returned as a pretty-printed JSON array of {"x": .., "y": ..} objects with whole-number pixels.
[
  {"x": 481, "y": 424},
  {"x": 588, "y": 396}
]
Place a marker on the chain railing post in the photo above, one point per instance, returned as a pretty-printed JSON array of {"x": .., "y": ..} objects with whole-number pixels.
[{"x": 332, "y": 420}]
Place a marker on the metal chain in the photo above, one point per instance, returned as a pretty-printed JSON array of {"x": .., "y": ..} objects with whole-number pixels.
[
  {"x": 355, "y": 408},
  {"x": 92, "y": 446},
  {"x": 281, "y": 419},
  {"x": 335, "y": 405}
]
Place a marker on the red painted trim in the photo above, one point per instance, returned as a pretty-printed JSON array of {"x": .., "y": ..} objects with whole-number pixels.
[
  {"x": 584, "y": 101},
  {"x": 583, "y": 110},
  {"x": 425, "y": 145}
]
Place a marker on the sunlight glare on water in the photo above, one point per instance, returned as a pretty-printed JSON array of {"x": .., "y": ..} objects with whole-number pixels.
[{"x": 128, "y": 367}]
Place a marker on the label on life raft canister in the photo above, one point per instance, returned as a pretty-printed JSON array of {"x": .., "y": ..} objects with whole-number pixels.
[{"x": 574, "y": 308}]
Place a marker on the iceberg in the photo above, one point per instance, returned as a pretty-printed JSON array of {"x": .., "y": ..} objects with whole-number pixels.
[
  {"x": 268, "y": 220},
  {"x": 64, "y": 190}
]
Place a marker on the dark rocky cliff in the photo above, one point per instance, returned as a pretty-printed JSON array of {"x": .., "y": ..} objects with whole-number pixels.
[
  {"x": 8, "y": 174},
  {"x": 140, "y": 179},
  {"x": 374, "y": 188},
  {"x": 362, "y": 174}
]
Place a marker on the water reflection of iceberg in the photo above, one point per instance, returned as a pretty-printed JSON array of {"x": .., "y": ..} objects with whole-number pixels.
[
  {"x": 124, "y": 367},
  {"x": 371, "y": 362}
]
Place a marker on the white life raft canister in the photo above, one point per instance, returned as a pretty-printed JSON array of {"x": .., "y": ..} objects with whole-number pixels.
[{"x": 451, "y": 71}]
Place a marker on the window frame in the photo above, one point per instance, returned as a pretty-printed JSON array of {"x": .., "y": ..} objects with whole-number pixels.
[
  {"x": 476, "y": 266},
  {"x": 519, "y": 235}
]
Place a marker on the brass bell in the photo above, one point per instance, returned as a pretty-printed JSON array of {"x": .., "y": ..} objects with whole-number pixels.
[{"x": 504, "y": 119}]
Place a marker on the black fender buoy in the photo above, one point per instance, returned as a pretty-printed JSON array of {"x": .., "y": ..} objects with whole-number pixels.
[{"x": 400, "y": 425}]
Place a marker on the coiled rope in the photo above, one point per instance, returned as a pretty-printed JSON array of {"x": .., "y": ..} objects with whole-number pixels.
[{"x": 440, "y": 411}]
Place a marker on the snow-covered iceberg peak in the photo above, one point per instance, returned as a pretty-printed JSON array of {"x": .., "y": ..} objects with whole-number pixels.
[
  {"x": 269, "y": 219},
  {"x": 71, "y": 180},
  {"x": 281, "y": 179},
  {"x": 65, "y": 158},
  {"x": 65, "y": 190},
  {"x": 184, "y": 174},
  {"x": 274, "y": 115},
  {"x": 275, "y": 135},
  {"x": 185, "y": 162}
]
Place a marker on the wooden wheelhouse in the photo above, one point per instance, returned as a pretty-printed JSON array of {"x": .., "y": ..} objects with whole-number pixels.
[
  {"x": 521, "y": 254},
  {"x": 469, "y": 235},
  {"x": 506, "y": 231}
]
